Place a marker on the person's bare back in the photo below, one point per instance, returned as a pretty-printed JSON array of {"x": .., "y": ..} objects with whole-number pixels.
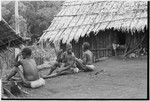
[
  {"x": 88, "y": 57},
  {"x": 30, "y": 71},
  {"x": 29, "y": 75}
]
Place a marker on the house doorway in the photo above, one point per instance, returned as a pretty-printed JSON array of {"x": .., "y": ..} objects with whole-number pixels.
[{"x": 121, "y": 37}]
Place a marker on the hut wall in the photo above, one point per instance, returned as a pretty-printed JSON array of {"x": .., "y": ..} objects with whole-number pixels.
[{"x": 100, "y": 44}]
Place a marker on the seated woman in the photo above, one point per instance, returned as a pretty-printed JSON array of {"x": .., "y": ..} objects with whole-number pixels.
[
  {"x": 67, "y": 65},
  {"x": 86, "y": 62},
  {"x": 29, "y": 73}
]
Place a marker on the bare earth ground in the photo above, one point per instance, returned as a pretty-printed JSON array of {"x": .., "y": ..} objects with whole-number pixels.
[{"x": 119, "y": 79}]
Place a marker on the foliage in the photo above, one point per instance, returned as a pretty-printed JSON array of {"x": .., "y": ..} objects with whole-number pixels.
[
  {"x": 40, "y": 55},
  {"x": 35, "y": 16}
]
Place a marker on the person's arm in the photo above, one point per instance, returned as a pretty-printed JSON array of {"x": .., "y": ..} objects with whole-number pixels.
[
  {"x": 63, "y": 57},
  {"x": 72, "y": 64},
  {"x": 22, "y": 77},
  {"x": 14, "y": 71},
  {"x": 84, "y": 58},
  {"x": 17, "y": 64},
  {"x": 17, "y": 57},
  {"x": 74, "y": 60},
  {"x": 68, "y": 66},
  {"x": 59, "y": 56}
]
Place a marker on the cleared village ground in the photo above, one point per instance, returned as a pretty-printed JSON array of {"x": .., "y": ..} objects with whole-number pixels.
[{"x": 113, "y": 78}]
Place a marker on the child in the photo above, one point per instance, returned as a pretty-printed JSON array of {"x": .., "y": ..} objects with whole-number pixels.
[
  {"x": 67, "y": 63},
  {"x": 115, "y": 46},
  {"x": 30, "y": 76},
  {"x": 87, "y": 59}
]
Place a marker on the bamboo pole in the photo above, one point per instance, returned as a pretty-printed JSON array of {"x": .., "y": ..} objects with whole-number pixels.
[
  {"x": 17, "y": 50},
  {"x": 16, "y": 18},
  {"x": 0, "y": 11}
]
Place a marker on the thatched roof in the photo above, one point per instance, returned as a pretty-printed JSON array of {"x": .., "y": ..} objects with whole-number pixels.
[
  {"x": 78, "y": 18},
  {"x": 8, "y": 37}
]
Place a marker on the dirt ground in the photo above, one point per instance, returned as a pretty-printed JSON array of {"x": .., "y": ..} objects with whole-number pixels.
[{"x": 113, "y": 78}]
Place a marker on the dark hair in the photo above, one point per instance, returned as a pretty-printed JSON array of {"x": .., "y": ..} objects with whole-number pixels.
[
  {"x": 86, "y": 46},
  {"x": 27, "y": 51}
]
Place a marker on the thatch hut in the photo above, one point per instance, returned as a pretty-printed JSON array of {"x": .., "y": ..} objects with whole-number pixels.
[
  {"x": 101, "y": 23},
  {"x": 8, "y": 39},
  {"x": 8, "y": 36}
]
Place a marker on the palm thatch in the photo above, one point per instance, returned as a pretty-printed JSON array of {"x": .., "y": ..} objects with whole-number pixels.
[
  {"x": 8, "y": 36},
  {"x": 79, "y": 18}
]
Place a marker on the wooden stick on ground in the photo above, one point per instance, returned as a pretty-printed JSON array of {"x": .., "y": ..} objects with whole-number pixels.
[
  {"x": 136, "y": 46},
  {"x": 50, "y": 76},
  {"x": 8, "y": 93}
]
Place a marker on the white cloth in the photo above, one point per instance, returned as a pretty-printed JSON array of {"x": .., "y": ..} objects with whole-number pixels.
[
  {"x": 91, "y": 66},
  {"x": 76, "y": 70},
  {"x": 115, "y": 46},
  {"x": 38, "y": 83}
]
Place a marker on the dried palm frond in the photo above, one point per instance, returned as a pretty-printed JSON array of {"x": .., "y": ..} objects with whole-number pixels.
[
  {"x": 72, "y": 34},
  {"x": 96, "y": 15}
]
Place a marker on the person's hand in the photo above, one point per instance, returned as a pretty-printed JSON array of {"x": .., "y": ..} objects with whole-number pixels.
[
  {"x": 19, "y": 54},
  {"x": 26, "y": 82},
  {"x": 76, "y": 58}
]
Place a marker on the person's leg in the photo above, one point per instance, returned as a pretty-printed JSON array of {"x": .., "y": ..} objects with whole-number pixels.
[
  {"x": 63, "y": 71},
  {"x": 64, "y": 68},
  {"x": 54, "y": 67},
  {"x": 12, "y": 73},
  {"x": 80, "y": 65},
  {"x": 24, "y": 81},
  {"x": 89, "y": 68},
  {"x": 115, "y": 52},
  {"x": 50, "y": 76},
  {"x": 24, "y": 84}
]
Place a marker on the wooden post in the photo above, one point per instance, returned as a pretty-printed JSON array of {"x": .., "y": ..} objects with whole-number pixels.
[
  {"x": 16, "y": 24},
  {"x": 0, "y": 11},
  {"x": 16, "y": 17}
]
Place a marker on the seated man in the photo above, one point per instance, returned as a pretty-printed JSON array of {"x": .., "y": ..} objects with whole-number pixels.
[
  {"x": 67, "y": 63},
  {"x": 68, "y": 58},
  {"x": 30, "y": 76},
  {"x": 85, "y": 63}
]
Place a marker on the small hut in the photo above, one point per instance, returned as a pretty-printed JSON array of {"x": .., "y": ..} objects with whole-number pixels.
[
  {"x": 8, "y": 39},
  {"x": 100, "y": 23},
  {"x": 8, "y": 36}
]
